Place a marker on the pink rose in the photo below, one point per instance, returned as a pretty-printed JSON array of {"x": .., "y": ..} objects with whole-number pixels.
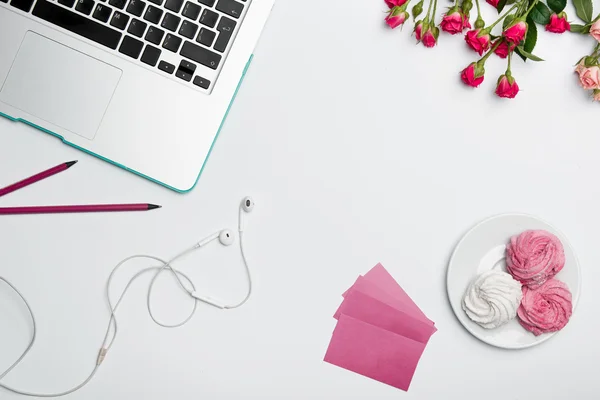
[
  {"x": 595, "y": 30},
  {"x": 581, "y": 66},
  {"x": 452, "y": 22},
  {"x": 533, "y": 257},
  {"x": 473, "y": 75},
  {"x": 493, "y": 3},
  {"x": 419, "y": 31},
  {"x": 507, "y": 87},
  {"x": 396, "y": 17},
  {"x": 558, "y": 23},
  {"x": 589, "y": 78},
  {"x": 504, "y": 48},
  {"x": 516, "y": 32},
  {"x": 429, "y": 38},
  {"x": 478, "y": 40},
  {"x": 547, "y": 308},
  {"x": 395, "y": 3},
  {"x": 466, "y": 23}
]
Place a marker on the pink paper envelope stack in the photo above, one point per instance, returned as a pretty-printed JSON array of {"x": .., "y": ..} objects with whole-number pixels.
[{"x": 381, "y": 333}]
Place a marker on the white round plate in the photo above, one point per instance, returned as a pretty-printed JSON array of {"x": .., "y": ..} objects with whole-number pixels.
[{"x": 483, "y": 248}]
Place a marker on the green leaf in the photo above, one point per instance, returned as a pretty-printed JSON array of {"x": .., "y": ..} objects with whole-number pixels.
[
  {"x": 523, "y": 53},
  {"x": 557, "y": 5},
  {"x": 500, "y": 6},
  {"x": 575, "y": 28},
  {"x": 531, "y": 37},
  {"x": 520, "y": 55},
  {"x": 584, "y": 9},
  {"x": 507, "y": 21},
  {"x": 540, "y": 14}
]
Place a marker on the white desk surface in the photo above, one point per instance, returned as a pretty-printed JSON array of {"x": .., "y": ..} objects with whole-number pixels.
[{"x": 358, "y": 147}]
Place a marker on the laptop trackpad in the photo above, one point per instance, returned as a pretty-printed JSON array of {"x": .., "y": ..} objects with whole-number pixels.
[{"x": 60, "y": 85}]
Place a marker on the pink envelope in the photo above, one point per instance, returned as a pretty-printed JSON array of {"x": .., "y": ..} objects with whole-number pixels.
[
  {"x": 402, "y": 303},
  {"x": 367, "y": 309},
  {"x": 374, "y": 352}
]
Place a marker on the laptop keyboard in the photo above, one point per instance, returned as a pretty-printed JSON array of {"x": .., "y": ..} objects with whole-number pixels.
[{"x": 186, "y": 39}]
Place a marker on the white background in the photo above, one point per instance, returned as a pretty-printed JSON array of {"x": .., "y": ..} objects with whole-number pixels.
[{"x": 358, "y": 147}]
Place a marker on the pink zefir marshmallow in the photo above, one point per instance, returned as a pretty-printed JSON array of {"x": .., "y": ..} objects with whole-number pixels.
[
  {"x": 533, "y": 257},
  {"x": 547, "y": 308}
]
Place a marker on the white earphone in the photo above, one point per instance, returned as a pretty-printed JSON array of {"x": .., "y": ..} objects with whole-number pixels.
[{"x": 226, "y": 237}]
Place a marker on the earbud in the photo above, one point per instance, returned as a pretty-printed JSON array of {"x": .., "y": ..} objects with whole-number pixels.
[
  {"x": 226, "y": 237},
  {"x": 248, "y": 204}
]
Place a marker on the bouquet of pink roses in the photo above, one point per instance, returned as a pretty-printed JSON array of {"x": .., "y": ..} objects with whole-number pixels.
[{"x": 516, "y": 34}]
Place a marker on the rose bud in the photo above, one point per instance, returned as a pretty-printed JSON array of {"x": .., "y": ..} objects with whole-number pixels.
[
  {"x": 589, "y": 78},
  {"x": 596, "y": 94},
  {"x": 417, "y": 9},
  {"x": 516, "y": 31},
  {"x": 493, "y": 3},
  {"x": 467, "y": 6},
  {"x": 479, "y": 40},
  {"x": 504, "y": 48},
  {"x": 507, "y": 87},
  {"x": 473, "y": 75},
  {"x": 466, "y": 23},
  {"x": 558, "y": 23},
  {"x": 452, "y": 22},
  {"x": 595, "y": 30},
  {"x": 419, "y": 30},
  {"x": 395, "y": 3},
  {"x": 430, "y": 36},
  {"x": 396, "y": 17}
]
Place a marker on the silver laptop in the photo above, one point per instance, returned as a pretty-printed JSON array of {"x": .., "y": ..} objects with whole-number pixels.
[{"x": 142, "y": 84}]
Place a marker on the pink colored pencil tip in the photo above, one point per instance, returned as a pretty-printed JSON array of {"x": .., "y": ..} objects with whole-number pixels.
[{"x": 71, "y": 163}]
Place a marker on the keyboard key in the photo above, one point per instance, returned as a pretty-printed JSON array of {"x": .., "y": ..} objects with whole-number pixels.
[
  {"x": 200, "y": 55},
  {"x": 119, "y": 20},
  {"x": 200, "y": 81},
  {"x": 68, "y": 3},
  {"x": 166, "y": 67},
  {"x": 77, "y": 24},
  {"x": 120, "y": 4},
  {"x": 191, "y": 10},
  {"x": 172, "y": 43},
  {"x": 154, "y": 35},
  {"x": 225, "y": 28},
  {"x": 230, "y": 7},
  {"x": 24, "y": 5},
  {"x": 102, "y": 13},
  {"x": 137, "y": 28},
  {"x": 187, "y": 66},
  {"x": 182, "y": 74},
  {"x": 209, "y": 18},
  {"x": 209, "y": 3},
  {"x": 157, "y": 2},
  {"x": 3, "y": 1},
  {"x": 136, "y": 7},
  {"x": 171, "y": 22},
  {"x": 174, "y": 5},
  {"x": 206, "y": 37},
  {"x": 153, "y": 14},
  {"x": 85, "y": 6},
  {"x": 188, "y": 29},
  {"x": 131, "y": 47},
  {"x": 150, "y": 55}
]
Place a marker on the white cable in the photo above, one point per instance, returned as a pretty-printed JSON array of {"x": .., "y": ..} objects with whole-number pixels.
[{"x": 112, "y": 323}]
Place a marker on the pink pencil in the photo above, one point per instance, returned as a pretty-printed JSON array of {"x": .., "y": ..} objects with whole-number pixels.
[
  {"x": 77, "y": 209},
  {"x": 37, "y": 177}
]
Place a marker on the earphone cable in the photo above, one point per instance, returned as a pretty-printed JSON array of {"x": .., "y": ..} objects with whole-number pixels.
[{"x": 112, "y": 326}]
